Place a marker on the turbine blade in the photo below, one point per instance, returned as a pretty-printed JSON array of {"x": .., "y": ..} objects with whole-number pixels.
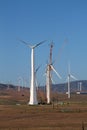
[
  {"x": 36, "y": 83},
  {"x": 73, "y": 77},
  {"x": 37, "y": 68},
  {"x": 55, "y": 72},
  {"x": 52, "y": 80},
  {"x": 25, "y": 43},
  {"x": 69, "y": 67},
  {"x": 39, "y": 44},
  {"x": 66, "y": 79}
]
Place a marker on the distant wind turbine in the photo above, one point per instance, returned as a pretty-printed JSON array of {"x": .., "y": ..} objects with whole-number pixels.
[
  {"x": 79, "y": 86},
  {"x": 69, "y": 77},
  {"x": 36, "y": 82},
  {"x": 20, "y": 83},
  {"x": 33, "y": 94}
]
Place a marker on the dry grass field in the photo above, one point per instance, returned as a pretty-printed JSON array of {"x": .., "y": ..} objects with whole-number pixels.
[{"x": 65, "y": 114}]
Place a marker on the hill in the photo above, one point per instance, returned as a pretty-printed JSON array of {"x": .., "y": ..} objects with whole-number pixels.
[
  {"x": 74, "y": 86},
  {"x": 61, "y": 88}
]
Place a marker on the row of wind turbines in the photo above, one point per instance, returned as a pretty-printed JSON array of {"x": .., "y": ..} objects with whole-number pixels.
[{"x": 33, "y": 94}]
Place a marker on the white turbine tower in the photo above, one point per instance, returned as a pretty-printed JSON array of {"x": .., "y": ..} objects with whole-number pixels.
[
  {"x": 49, "y": 81},
  {"x": 33, "y": 94},
  {"x": 49, "y": 77},
  {"x": 20, "y": 83},
  {"x": 79, "y": 86},
  {"x": 69, "y": 77}
]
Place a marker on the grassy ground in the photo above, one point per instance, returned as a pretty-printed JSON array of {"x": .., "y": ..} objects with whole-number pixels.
[{"x": 62, "y": 115}]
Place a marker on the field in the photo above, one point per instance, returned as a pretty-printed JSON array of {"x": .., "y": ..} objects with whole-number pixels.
[{"x": 64, "y": 114}]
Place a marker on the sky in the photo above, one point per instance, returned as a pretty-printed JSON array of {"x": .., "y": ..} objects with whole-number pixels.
[{"x": 62, "y": 21}]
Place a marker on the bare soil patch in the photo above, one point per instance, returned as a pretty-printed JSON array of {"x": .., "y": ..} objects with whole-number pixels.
[{"x": 62, "y": 115}]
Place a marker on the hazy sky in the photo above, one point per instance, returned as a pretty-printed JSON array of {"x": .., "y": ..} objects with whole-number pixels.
[{"x": 37, "y": 20}]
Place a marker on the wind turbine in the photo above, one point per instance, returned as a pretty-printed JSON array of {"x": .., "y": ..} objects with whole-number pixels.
[
  {"x": 49, "y": 76},
  {"x": 69, "y": 77},
  {"x": 33, "y": 94},
  {"x": 36, "y": 82},
  {"x": 20, "y": 83},
  {"x": 79, "y": 86}
]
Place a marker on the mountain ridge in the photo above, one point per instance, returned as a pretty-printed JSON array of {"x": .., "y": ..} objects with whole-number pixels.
[{"x": 62, "y": 87}]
